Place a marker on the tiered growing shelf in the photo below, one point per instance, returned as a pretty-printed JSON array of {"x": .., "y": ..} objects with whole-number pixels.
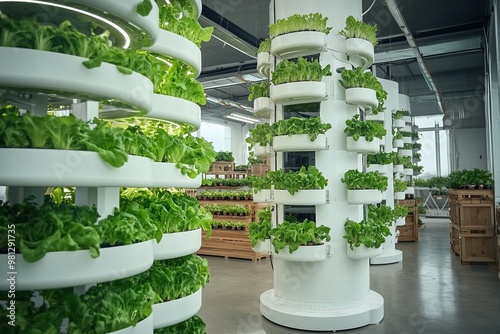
[{"x": 26, "y": 171}]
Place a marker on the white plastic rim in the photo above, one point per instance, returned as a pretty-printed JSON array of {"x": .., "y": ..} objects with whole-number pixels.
[
  {"x": 175, "y": 110},
  {"x": 398, "y": 123},
  {"x": 264, "y": 63},
  {"x": 262, "y": 196},
  {"x": 64, "y": 73},
  {"x": 382, "y": 169},
  {"x": 300, "y": 43},
  {"x": 298, "y": 92},
  {"x": 363, "y": 146},
  {"x": 398, "y": 169},
  {"x": 301, "y": 197},
  {"x": 262, "y": 246},
  {"x": 398, "y": 143},
  {"x": 167, "y": 175},
  {"x": 399, "y": 195},
  {"x": 263, "y": 107},
  {"x": 362, "y": 252},
  {"x": 401, "y": 221},
  {"x": 406, "y": 129},
  {"x": 364, "y": 196},
  {"x": 73, "y": 268},
  {"x": 405, "y": 153},
  {"x": 299, "y": 143},
  {"x": 197, "y": 5},
  {"x": 26, "y": 167},
  {"x": 410, "y": 190},
  {"x": 175, "y": 311},
  {"x": 408, "y": 171},
  {"x": 360, "y": 51},
  {"x": 361, "y": 97},
  {"x": 173, "y": 245},
  {"x": 302, "y": 254},
  {"x": 380, "y": 117},
  {"x": 262, "y": 151},
  {"x": 407, "y": 140},
  {"x": 406, "y": 119},
  {"x": 178, "y": 47},
  {"x": 142, "y": 327}
]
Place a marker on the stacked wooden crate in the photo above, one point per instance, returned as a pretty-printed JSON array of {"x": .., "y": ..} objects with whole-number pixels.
[
  {"x": 472, "y": 224},
  {"x": 409, "y": 231},
  {"x": 498, "y": 239}
]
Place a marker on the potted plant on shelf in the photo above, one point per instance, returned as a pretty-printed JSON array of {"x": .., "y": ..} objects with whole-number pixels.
[
  {"x": 299, "y": 134},
  {"x": 379, "y": 161},
  {"x": 363, "y": 89},
  {"x": 261, "y": 188},
  {"x": 364, "y": 238},
  {"x": 406, "y": 150},
  {"x": 257, "y": 165},
  {"x": 417, "y": 170},
  {"x": 259, "y": 94},
  {"x": 397, "y": 139},
  {"x": 406, "y": 136},
  {"x": 261, "y": 135},
  {"x": 304, "y": 187},
  {"x": 264, "y": 57},
  {"x": 400, "y": 212},
  {"x": 299, "y": 35},
  {"x": 399, "y": 162},
  {"x": 398, "y": 118},
  {"x": 399, "y": 189},
  {"x": 259, "y": 232},
  {"x": 364, "y": 188},
  {"x": 298, "y": 82},
  {"x": 363, "y": 136},
  {"x": 361, "y": 38},
  {"x": 302, "y": 242}
]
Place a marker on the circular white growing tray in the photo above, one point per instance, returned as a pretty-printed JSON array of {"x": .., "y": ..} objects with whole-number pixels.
[
  {"x": 299, "y": 143},
  {"x": 142, "y": 327},
  {"x": 175, "y": 110},
  {"x": 262, "y": 196},
  {"x": 363, "y": 146},
  {"x": 167, "y": 175},
  {"x": 362, "y": 252},
  {"x": 361, "y": 52},
  {"x": 300, "y": 43},
  {"x": 263, "y": 107},
  {"x": 173, "y": 245},
  {"x": 34, "y": 70},
  {"x": 301, "y": 197},
  {"x": 398, "y": 123},
  {"x": 302, "y": 254},
  {"x": 175, "y": 311},
  {"x": 262, "y": 246},
  {"x": 73, "y": 268},
  {"x": 262, "y": 152},
  {"x": 298, "y": 92},
  {"x": 264, "y": 63},
  {"x": 178, "y": 47},
  {"x": 362, "y": 97},
  {"x": 364, "y": 196}
]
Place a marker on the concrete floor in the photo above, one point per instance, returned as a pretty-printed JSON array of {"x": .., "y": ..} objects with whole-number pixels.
[{"x": 429, "y": 292}]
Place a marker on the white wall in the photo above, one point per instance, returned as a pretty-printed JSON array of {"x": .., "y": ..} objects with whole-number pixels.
[{"x": 468, "y": 148}]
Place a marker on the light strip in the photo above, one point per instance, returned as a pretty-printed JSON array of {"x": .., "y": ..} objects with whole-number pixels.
[
  {"x": 242, "y": 118},
  {"x": 97, "y": 17},
  {"x": 239, "y": 119}
]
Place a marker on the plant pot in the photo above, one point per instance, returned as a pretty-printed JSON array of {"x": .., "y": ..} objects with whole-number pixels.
[
  {"x": 406, "y": 119},
  {"x": 380, "y": 117},
  {"x": 59, "y": 168},
  {"x": 398, "y": 143},
  {"x": 362, "y": 97},
  {"x": 405, "y": 153},
  {"x": 262, "y": 246},
  {"x": 410, "y": 190},
  {"x": 142, "y": 327},
  {"x": 364, "y": 196},
  {"x": 301, "y": 197},
  {"x": 299, "y": 143},
  {"x": 401, "y": 221},
  {"x": 407, "y": 140},
  {"x": 72, "y": 268},
  {"x": 169, "y": 44},
  {"x": 263, "y": 107},
  {"x": 175, "y": 110},
  {"x": 303, "y": 254},
  {"x": 398, "y": 168},
  {"x": 57, "y": 72},
  {"x": 175, "y": 311},
  {"x": 398, "y": 123},
  {"x": 363, "y": 146},
  {"x": 382, "y": 169},
  {"x": 360, "y": 52},
  {"x": 300, "y": 43},
  {"x": 264, "y": 63},
  {"x": 174, "y": 245},
  {"x": 262, "y": 196},
  {"x": 408, "y": 171},
  {"x": 363, "y": 252},
  {"x": 167, "y": 175},
  {"x": 298, "y": 92},
  {"x": 262, "y": 151},
  {"x": 399, "y": 195}
]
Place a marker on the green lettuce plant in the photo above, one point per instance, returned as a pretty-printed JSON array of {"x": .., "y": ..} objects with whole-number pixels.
[
  {"x": 193, "y": 325},
  {"x": 294, "y": 235},
  {"x": 359, "y": 29},
  {"x": 302, "y": 70},
  {"x": 400, "y": 113},
  {"x": 400, "y": 185},
  {"x": 354, "y": 180},
  {"x": 369, "y": 233},
  {"x": 259, "y": 90},
  {"x": 264, "y": 46},
  {"x": 296, "y": 22},
  {"x": 260, "y": 231},
  {"x": 383, "y": 214},
  {"x": 380, "y": 158},
  {"x": 359, "y": 78},
  {"x": 368, "y": 129},
  {"x": 305, "y": 179},
  {"x": 400, "y": 211}
]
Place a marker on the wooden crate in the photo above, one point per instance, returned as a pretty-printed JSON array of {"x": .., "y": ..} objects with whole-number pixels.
[
  {"x": 478, "y": 245},
  {"x": 229, "y": 244},
  {"x": 471, "y": 196},
  {"x": 498, "y": 219},
  {"x": 260, "y": 169},
  {"x": 221, "y": 166},
  {"x": 455, "y": 238},
  {"x": 454, "y": 208},
  {"x": 408, "y": 232},
  {"x": 498, "y": 255},
  {"x": 476, "y": 215}
]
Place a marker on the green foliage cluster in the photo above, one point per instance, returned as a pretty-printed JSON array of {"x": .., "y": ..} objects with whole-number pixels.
[
  {"x": 359, "y": 78},
  {"x": 296, "y": 22},
  {"x": 225, "y": 194},
  {"x": 370, "y": 233},
  {"x": 354, "y": 180},
  {"x": 264, "y": 46},
  {"x": 359, "y": 29},
  {"x": 416, "y": 146},
  {"x": 402, "y": 160},
  {"x": 224, "y": 156},
  {"x": 400, "y": 185},
  {"x": 259, "y": 90},
  {"x": 305, "y": 179},
  {"x": 400, "y": 211},
  {"x": 294, "y": 235},
  {"x": 380, "y": 158},
  {"x": 227, "y": 209},
  {"x": 470, "y": 178},
  {"x": 400, "y": 113},
  {"x": 260, "y": 231},
  {"x": 301, "y": 70},
  {"x": 193, "y": 325},
  {"x": 216, "y": 182},
  {"x": 228, "y": 225},
  {"x": 368, "y": 129},
  {"x": 263, "y": 134}
]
